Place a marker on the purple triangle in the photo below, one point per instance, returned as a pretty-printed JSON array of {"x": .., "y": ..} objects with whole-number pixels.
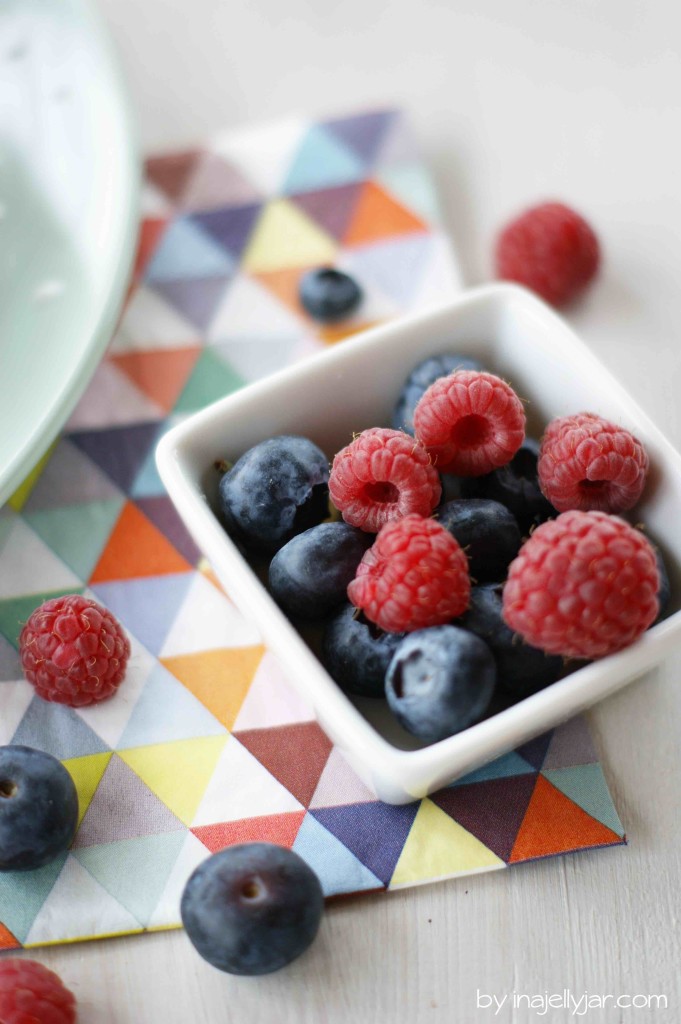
[
  {"x": 120, "y": 451},
  {"x": 492, "y": 811},
  {"x": 331, "y": 208},
  {"x": 195, "y": 299},
  {"x": 374, "y": 832},
  {"x": 231, "y": 227},
  {"x": 161, "y": 511},
  {"x": 534, "y": 752},
  {"x": 364, "y": 133}
]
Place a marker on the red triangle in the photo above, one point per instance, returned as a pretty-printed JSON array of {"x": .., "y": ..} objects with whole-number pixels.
[
  {"x": 171, "y": 173},
  {"x": 7, "y": 940},
  {"x": 151, "y": 230},
  {"x": 554, "y": 824},
  {"x": 281, "y": 829},
  {"x": 378, "y": 216},
  {"x": 161, "y": 375},
  {"x": 136, "y": 548},
  {"x": 295, "y": 754}
]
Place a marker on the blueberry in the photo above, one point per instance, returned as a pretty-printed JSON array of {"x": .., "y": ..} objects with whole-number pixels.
[
  {"x": 274, "y": 491},
  {"x": 664, "y": 593},
  {"x": 516, "y": 486},
  {"x": 420, "y": 379},
  {"x": 252, "y": 908},
  {"x": 356, "y": 653},
  {"x": 487, "y": 532},
  {"x": 521, "y": 669},
  {"x": 309, "y": 576},
  {"x": 329, "y": 295},
  {"x": 440, "y": 681},
  {"x": 38, "y": 808}
]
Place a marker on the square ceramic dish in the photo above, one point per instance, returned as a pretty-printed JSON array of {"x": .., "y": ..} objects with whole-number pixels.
[{"x": 353, "y": 386}]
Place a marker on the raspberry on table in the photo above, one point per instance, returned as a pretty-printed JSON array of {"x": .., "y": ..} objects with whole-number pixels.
[
  {"x": 586, "y": 462},
  {"x": 383, "y": 474},
  {"x": 549, "y": 249},
  {"x": 32, "y": 994},
  {"x": 470, "y": 422},
  {"x": 415, "y": 575},
  {"x": 583, "y": 586},
  {"x": 73, "y": 651}
]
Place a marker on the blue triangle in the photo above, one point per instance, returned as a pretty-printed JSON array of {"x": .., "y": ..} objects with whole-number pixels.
[
  {"x": 185, "y": 251},
  {"x": 374, "y": 832},
  {"x": 148, "y": 606},
  {"x": 22, "y": 894},
  {"x": 337, "y": 868},
  {"x": 503, "y": 767},
  {"x": 322, "y": 162},
  {"x": 57, "y": 730},
  {"x": 148, "y": 483},
  {"x": 396, "y": 266},
  {"x": 183, "y": 716}
]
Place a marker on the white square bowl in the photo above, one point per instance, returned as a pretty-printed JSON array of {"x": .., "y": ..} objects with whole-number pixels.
[{"x": 354, "y": 386}]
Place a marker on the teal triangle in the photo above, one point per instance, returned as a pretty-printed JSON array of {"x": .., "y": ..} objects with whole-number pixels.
[
  {"x": 134, "y": 871},
  {"x": 22, "y": 894},
  {"x": 503, "y": 767},
  {"x": 337, "y": 868},
  {"x": 187, "y": 252},
  {"x": 77, "y": 533},
  {"x": 322, "y": 162},
  {"x": 57, "y": 730},
  {"x": 585, "y": 785},
  {"x": 148, "y": 483},
  {"x": 15, "y": 611},
  {"x": 183, "y": 716},
  {"x": 412, "y": 185},
  {"x": 211, "y": 378}
]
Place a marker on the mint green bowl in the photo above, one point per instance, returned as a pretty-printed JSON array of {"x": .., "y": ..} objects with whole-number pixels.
[{"x": 69, "y": 183}]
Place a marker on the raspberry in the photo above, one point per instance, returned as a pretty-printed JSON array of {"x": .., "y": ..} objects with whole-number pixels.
[
  {"x": 550, "y": 249},
  {"x": 585, "y": 462},
  {"x": 73, "y": 651},
  {"x": 415, "y": 575},
  {"x": 32, "y": 994},
  {"x": 584, "y": 585},
  {"x": 470, "y": 422},
  {"x": 382, "y": 475}
]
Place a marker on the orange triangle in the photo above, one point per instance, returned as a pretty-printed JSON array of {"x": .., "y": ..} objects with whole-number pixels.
[
  {"x": 136, "y": 548},
  {"x": 285, "y": 285},
  {"x": 379, "y": 216},
  {"x": 554, "y": 824},
  {"x": 220, "y": 679},
  {"x": 151, "y": 230},
  {"x": 161, "y": 375},
  {"x": 280, "y": 829},
  {"x": 330, "y": 333},
  {"x": 8, "y": 941}
]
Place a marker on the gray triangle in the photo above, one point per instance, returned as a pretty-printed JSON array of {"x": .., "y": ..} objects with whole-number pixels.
[
  {"x": 57, "y": 730},
  {"x": 124, "y": 808},
  {"x": 70, "y": 478}
]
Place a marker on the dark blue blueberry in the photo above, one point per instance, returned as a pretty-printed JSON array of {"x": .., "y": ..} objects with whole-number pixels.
[
  {"x": 664, "y": 593},
  {"x": 516, "y": 486},
  {"x": 356, "y": 653},
  {"x": 38, "y": 808},
  {"x": 274, "y": 491},
  {"x": 440, "y": 681},
  {"x": 309, "y": 576},
  {"x": 420, "y": 379},
  {"x": 487, "y": 532},
  {"x": 521, "y": 669},
  {"x": 252, "y": 908},
  {"x": 329, "y": 295}
]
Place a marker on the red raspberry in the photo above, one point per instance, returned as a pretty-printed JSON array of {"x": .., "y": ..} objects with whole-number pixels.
[
  {"x": 382, "y": 475},
  {"x": 31, "y": 994},
  {"x": 73, "y": 651},
  {"x": 471, "y": 422},
  {"x": 588, "y": 463},
  {"x": 550, "y": 249},
  {"x": 584, "y": 585},
  {"x": 415, "y": 575}
]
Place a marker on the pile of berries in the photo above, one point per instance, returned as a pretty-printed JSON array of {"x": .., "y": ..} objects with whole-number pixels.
[{"x": 453, "y": 564}]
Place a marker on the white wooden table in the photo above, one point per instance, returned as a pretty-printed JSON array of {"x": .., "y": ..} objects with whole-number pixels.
[{"x": 513, "y": 102}]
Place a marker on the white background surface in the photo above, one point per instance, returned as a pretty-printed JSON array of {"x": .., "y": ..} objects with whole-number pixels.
[{"x": 513, "y": 102}]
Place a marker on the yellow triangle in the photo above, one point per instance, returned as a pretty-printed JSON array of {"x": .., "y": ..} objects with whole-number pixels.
[
  {"x": 285, "y": 237},
  {"x": 438, "y": 847},
  {"x": 220, "y": 679},
  {"x": 86, "y": 773},
  {"x": 21, "y": 495},
  {"x": 178, "y": 772}
]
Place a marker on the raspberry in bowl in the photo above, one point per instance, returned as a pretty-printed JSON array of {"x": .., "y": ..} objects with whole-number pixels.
[{"x": 353, "y": 388}]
